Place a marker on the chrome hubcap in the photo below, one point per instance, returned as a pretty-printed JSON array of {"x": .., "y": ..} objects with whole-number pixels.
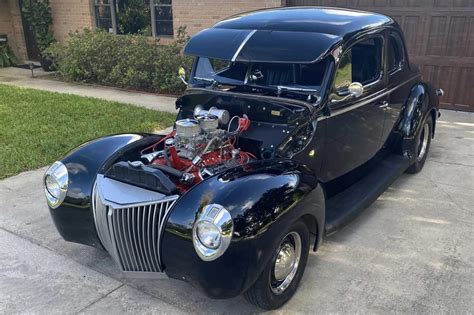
[
  {"x": 286, "y": 262},
  {"x": 424, "y": 138}
]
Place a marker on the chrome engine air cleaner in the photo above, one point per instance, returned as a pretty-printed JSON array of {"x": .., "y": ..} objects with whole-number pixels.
[{"x": 187, "y": 128}]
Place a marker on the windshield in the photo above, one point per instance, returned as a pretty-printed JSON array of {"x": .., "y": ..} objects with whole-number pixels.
[{"x": 281, "y": 77}]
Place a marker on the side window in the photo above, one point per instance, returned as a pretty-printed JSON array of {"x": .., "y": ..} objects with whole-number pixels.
[
  {"x": 361, "y": 63},
  {"x": 395, "y": 52}
]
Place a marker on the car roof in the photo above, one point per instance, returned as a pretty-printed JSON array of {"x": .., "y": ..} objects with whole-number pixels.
[
  {"x": 327, "y": 20},
  {"x": 283, "y": 35}
]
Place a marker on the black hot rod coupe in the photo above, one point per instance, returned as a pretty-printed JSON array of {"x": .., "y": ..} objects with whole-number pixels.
[{"x": 293, "y": 122}]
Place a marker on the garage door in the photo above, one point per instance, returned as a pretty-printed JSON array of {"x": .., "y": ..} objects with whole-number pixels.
[{"x": 440, "y": 40}]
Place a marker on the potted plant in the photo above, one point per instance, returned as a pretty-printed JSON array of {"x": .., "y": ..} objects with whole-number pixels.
[{"x": 38, "y": 14}]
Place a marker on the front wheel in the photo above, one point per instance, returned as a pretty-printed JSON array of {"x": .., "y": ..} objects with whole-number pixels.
[
  {"x": 423, "y": 146},
  {"x": 279, "y": 280}
]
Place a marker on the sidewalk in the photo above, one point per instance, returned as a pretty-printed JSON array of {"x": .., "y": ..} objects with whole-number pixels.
[{"x": 22, "y": 78}]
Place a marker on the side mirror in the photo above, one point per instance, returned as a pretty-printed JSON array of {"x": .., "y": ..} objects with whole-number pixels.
[
  {"x": 182, "y": 75},
  {"x": 355, "y": 89}
]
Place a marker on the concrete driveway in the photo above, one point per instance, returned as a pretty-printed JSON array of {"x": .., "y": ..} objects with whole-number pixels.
[{"x": 412, "y": 251}]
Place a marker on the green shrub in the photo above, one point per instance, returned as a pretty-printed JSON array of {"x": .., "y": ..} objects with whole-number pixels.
[
  {"x": 7, "y": 58},
  {"x": 134, "y": 61},
  {"x": 38, "y": 14}
]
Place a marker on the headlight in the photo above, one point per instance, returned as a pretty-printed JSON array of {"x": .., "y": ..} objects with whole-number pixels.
[
  {"x": 208, "y": 234},
  {"x": 55, "y": 184},
  {"x": 212, "y": 232}
]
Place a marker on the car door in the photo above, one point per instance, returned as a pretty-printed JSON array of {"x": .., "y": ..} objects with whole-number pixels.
[{"x": 355, "y": 126}]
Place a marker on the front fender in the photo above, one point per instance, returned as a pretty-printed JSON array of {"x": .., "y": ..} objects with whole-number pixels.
[
  {"x": 264, "y": 198},
  {"x": 73, "y": 218}
]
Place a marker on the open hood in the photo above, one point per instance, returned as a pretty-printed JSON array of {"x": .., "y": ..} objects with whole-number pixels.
[{"x": 261, "y": 45}]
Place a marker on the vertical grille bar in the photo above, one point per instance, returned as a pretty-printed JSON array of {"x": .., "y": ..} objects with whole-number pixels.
[
  {"x": 157, "y": 240},
  {"x": 148, "y": 236},
  {"x": 155, "y": 232},
  {"x": 143, "y": 236},
  {"x": 125, "y": 233},
  {"x": 132, "y": 234},
  {"x": 118, "y": 227},
  {"x": 136, "y": 242},
  {"x": 129, "y": 240},
  {"x": 115, "y": 253}
]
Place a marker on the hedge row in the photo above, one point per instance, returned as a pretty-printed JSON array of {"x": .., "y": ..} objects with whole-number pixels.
[{"x": 133, "y": 61}]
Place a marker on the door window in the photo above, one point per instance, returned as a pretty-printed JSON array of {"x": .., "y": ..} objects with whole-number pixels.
[{"x": 361, "y": 63}]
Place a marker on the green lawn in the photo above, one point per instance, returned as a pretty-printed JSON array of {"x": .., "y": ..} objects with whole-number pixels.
[{"x": 37, "y": 128}]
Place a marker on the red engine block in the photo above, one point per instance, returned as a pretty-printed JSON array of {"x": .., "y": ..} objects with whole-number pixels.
[
  {"x": 212, "y": 158},
  {"x": 217, "y": 157}
]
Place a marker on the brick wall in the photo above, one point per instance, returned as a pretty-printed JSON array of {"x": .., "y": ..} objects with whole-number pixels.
[
  {"x": 200, "y": 14},
  {"x": 72, "y": 15},
  {"x": 5, "y": 19},
  {"x": 10, "y": 24},
  {"x": 69, "y": 16}
]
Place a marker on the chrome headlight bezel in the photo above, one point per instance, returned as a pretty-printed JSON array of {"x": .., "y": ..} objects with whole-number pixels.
[
  {"x": 220, "y": 218},
  {"x": 57, "y": 174}
]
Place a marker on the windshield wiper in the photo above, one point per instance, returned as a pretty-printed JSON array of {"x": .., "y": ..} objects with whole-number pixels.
[
  {"x": 215, "y": 83},
  {"x": 310, "y": 92},
  {"x": 282, "y": 88},
  {"x": 212, "y": 81}
]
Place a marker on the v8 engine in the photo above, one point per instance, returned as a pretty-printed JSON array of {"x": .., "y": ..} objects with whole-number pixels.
[{"x": 200, "y": 147}]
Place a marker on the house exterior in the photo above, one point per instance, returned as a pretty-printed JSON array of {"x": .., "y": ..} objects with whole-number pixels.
[
  {"x": 168, "y": 16},
  {"x": 438, "y": 32}
]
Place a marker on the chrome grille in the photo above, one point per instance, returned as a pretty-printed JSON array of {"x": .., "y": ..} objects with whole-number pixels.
[{"x": 132, "y": 233}]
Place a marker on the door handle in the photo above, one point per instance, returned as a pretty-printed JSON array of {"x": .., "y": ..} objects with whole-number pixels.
[{"x": 383, "y": 104}]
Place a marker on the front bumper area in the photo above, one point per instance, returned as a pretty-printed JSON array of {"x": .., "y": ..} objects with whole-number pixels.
[
  {"x": 130, "y": 222},
  {"x": 134, "y": 226}
]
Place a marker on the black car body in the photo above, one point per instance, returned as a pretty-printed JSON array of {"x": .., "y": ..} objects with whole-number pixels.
[{"x": 327, "y": 112}]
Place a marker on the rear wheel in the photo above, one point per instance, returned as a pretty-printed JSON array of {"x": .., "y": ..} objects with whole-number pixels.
[
  {"x": 279, "y": 280},
  {"x": 423, "y": 146}
]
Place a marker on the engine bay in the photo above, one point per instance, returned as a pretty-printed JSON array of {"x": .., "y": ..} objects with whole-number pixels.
[
  {"x": 197, "y": 148},
  {"x": 222, "y": 132}
]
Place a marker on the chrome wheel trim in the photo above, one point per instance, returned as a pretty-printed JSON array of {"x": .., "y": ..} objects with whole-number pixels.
[
  {"x": 286, "y": 263},
  {"x": 424, "y": 138}
]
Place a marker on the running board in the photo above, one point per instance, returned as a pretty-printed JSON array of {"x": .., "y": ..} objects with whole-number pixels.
[{"x": 348, "y": 204}]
